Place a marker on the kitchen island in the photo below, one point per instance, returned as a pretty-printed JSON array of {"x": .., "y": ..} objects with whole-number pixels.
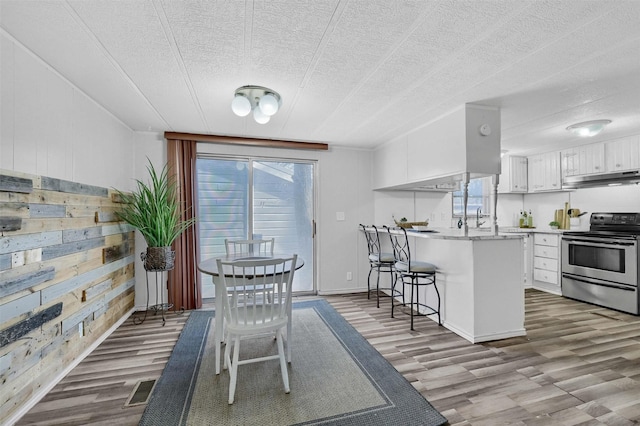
[{"x": 480, "y": 281}]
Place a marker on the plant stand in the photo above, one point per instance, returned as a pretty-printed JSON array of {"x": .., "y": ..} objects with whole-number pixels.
[{"x": 160, "y": 305}]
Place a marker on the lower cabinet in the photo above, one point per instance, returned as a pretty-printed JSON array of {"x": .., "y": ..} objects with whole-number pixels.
[{"x": 546, "y": 262}]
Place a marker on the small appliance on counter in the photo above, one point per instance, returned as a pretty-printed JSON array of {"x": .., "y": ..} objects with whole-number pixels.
[{"x": 602, "y": 265}]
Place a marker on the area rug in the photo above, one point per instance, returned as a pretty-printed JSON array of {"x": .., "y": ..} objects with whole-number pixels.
[{"x": 336, "y": 378}]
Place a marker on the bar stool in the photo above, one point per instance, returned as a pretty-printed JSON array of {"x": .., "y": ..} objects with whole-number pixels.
[
  {"x": 414, "y": 273},
  {"x": 378, "y": 261}
]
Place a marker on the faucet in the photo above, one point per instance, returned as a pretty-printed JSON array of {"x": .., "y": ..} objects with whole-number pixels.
[{"x": 478, "y": 215}]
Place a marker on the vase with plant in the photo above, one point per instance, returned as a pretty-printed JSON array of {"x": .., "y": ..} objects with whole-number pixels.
[
  {"x": 154, "y": 209},
  {"x": 554, "y": 224}
]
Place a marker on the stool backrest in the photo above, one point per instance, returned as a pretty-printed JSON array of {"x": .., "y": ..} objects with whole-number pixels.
[
  {"x": 373, "y": 239},
  {"x": 399, "y": 243}
]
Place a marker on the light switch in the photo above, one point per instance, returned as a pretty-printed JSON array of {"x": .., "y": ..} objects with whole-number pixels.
[
  {"x": 17, "y": 259},
  {"x": 340, "y": 216}
]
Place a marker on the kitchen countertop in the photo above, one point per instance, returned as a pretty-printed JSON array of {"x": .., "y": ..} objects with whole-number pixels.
[
  {"x": 545, "y": 230},
  {"x": 458, "y": 234}
]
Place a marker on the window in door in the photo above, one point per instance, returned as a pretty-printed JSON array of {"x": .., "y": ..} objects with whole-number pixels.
[{"x": 251, "y": 198}]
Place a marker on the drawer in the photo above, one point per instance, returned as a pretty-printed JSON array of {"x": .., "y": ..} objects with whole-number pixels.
[
  {"x": 546, "y": 239},
  {"x": 546, "y": 276},
  {"x": 545, "y": 251},
  {"x": 545, "y": 263}
]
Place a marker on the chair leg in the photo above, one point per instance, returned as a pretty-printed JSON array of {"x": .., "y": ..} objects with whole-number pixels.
[
  {"x": 393, "y": 294},
  {"x": 438, "y": 294},
  {"x": 234, "y": 369},
  {"x": 283, "y": 363},
  {"x": 369, "y": 283},
  {"x": 227, "y": 349},
  {"x": 411, "y": 302},
  {"x": 378, "y": 287},
  {"x": 289, "y": 334}
]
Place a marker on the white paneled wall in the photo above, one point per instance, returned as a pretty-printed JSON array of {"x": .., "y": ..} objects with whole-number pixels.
[{"x": 50, "y": 128}]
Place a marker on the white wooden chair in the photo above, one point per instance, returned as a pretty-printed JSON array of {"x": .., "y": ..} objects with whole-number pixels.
[
  {"x": 256, "y": 247},
  {"x": 266, "y": 311}
]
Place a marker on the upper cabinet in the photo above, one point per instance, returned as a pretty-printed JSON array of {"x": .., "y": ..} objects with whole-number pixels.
[
  {"x": 513, "y": 178},
  {"x": 583, "y": 160},
  {"x": 623, "y": 154},
  {"x": 463, "y": 142},
  {"x": 544, "y": 172}
]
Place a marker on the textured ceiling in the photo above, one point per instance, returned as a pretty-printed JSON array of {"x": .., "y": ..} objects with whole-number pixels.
[{"x": 355, "y": 73}]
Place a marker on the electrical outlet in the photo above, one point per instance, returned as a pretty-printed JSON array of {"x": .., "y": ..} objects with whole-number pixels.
[
  {"x": 81, "y": 328},
  {"x": 340, "y": 216},
  {"x": 349, "y": 276}
]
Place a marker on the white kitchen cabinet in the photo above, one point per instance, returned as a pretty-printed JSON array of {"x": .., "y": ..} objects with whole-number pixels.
[
  {"x": 623, "y": 154},
  {"x": 514, "y": 175},
  {"x": 583, "y": 160},
  {"x": 544, "y": 172},
  {"x": 546, "y": 262}
]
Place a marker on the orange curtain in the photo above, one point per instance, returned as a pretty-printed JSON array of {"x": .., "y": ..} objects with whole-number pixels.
[{"x": 184, "y": 288}]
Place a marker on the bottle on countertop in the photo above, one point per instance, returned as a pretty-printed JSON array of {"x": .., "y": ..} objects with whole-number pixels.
[
  {"x": 530, "y": 220},
  {"x": 521, "y": 222}
]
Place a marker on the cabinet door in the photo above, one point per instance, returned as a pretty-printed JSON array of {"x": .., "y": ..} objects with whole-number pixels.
[
  {"x": 623, "y": 154},
  {"x": 535, "y": 173},
  {"x": 552, "y": 178},
  {"x": 592, "y": 159},
  {"x": 514, "y": 175},
  {"x": 519, "y": 174},
  {"x": 570, "y": 160},
  {"x": 583, "y": 160}
]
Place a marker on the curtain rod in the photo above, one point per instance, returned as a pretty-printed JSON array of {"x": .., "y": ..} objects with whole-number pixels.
[{"x": 271, "y": 143}]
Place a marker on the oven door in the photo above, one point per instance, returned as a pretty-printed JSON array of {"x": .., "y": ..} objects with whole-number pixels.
[
  {"x": 621, "y": 297},
  {"x": 610, "y": 259}
]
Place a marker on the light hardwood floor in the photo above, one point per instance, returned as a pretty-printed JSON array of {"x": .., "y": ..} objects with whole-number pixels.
[{"x": 578, "y": 365}]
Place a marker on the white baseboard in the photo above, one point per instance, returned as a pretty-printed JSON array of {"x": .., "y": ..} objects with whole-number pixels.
[
  {"x": 341, "y": 291},
  {"x": 24, "y": 409}
]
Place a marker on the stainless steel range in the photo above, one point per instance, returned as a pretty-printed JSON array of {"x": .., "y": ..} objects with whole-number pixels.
[{"x": 600, "y": 266}]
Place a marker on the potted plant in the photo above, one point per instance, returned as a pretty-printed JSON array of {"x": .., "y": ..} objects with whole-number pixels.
[
  {"x": 554, "y": 224},
  {"x": 154, "y": 210}
]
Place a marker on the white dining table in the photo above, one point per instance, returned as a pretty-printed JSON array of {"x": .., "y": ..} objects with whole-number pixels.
[{"x": 210, "y": 267}]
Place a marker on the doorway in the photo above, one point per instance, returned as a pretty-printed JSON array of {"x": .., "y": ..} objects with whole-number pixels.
[{"x": 248, "y": 198}]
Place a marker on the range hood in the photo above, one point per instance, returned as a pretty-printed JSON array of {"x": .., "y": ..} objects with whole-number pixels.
[{"x": 591, "y": 181}]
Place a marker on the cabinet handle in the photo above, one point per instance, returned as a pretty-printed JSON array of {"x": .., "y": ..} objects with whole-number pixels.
[{"x": 618, "y": 165}]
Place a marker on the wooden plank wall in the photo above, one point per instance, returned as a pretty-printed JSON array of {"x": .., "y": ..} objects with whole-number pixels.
[{"x": 66, "y": 276}]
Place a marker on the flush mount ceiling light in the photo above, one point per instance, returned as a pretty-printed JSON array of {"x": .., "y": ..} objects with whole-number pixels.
[
  {"x": 262, "y": 101},
  {"x": 588, "y": 128}
]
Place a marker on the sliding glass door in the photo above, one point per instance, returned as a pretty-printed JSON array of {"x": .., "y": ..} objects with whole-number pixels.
[{"x": 254, "y": 198}]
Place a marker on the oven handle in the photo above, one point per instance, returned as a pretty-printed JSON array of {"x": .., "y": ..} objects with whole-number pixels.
[
  {"x": 593, "y": 243},
  {"x": 597, "y": 282}
]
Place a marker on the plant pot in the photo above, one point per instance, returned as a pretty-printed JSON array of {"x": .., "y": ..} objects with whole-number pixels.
[{"x": 158, "y": 259}]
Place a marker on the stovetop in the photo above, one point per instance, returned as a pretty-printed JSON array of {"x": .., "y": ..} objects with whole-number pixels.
[{"x": 612, "y": 225}]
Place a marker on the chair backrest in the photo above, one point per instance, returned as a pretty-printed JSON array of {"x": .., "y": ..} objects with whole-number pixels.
[
  {"x": 263, "y": 246},
  {"x": 257, "y": 291},
  {"x": 373, "y": 239},
  {"x": 399, "y": 243}
]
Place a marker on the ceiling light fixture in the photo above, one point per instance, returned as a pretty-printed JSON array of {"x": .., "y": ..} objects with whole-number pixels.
[
  {"x": 262, "y": 101},
  {"x": 588, "y": 128}
]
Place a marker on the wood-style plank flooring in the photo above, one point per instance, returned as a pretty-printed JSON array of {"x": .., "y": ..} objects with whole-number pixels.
[{"x": 578, "y": 365}]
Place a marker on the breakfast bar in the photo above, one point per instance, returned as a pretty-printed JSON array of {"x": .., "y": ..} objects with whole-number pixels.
[{"x": 479, "y": 278}]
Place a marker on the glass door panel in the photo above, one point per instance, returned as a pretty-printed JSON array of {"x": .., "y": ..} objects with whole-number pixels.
[{"x": 256, "y": 199}]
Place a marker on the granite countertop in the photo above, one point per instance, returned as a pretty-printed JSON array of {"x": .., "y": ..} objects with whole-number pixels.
[
  {"x": 545, "y": 230},
  {"x": 458, "y": 234}
]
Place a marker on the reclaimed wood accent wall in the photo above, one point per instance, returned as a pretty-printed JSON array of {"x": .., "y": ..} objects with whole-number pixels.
[{"x": 66, "y": 277}]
